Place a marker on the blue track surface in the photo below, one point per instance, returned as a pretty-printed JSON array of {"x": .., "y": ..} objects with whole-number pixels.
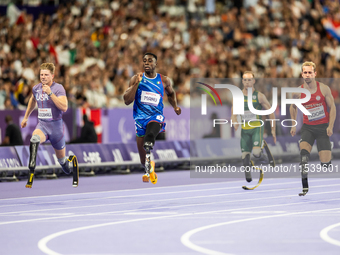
[{"x": 178, "y": 215}]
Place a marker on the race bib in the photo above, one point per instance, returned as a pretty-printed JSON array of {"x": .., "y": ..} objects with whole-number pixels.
[
  {"x": 248, "y": 115},
  {"x": 45, "y": 113},
  {"x": 316, "y": 113},
  {"x": 150, "y": 98}
]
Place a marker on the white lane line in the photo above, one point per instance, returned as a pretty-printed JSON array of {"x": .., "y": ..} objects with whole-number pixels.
[
  {"x": 42, "y": 244},
  {"x": 143, "y": 195},
  {"x": 324, "y": 234},
  {"x": 152, "y": 188},
  {"x": 185, "y": 239},
  {"x": 166, "y": 207},
  {"x": 123, "y": 190},
  {"x": 162, "y": 200},
  {"x": 257, "y": 212},
  {"x": 125, "y": 196},
  {"x": 150, "y": 213}
]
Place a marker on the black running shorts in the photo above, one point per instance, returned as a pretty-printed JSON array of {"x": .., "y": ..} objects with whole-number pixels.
[{"x": 310, "y": 133}]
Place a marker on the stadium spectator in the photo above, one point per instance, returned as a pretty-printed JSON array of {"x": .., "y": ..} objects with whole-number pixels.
[
  {"x": 13, "y": 134},
  {"x": 92, "y": 44},
  {"x": 88, "y": 133}
]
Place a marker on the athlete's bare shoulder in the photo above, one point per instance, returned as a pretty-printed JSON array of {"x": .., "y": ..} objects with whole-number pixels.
[
  {"x": 166, "y": 80},
  {"x": 324, "y": 89}
]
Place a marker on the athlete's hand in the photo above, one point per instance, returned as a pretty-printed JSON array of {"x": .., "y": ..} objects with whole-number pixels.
[
  {"x": 46, "y": 89},
  {"x": 236, "y": 126},
  {"x": 23, "y": 123},
  {"x": 293, "y": 131},
  {"x": 139, "y": 78},
  {"x": 329, "y": 131},
  {"x": 178, "y": 110}
]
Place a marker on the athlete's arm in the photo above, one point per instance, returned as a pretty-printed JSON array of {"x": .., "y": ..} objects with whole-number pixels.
[
  {"x": 60, "y": 101},
  {"x": 326, "y": 91},
  {"x": 171, "y": 95},
  {"x": 30, "y": 107},
  {"x": 293, "y": 112},
  {"x": 265, "y": 104},
  {"x": 130, "y": 93}
]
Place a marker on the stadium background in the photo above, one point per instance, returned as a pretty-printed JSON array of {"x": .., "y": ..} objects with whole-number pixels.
[{"x": 98, "y": 45}]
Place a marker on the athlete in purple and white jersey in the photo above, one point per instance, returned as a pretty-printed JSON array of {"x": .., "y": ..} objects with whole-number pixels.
[{"x": 52, "y": 102}]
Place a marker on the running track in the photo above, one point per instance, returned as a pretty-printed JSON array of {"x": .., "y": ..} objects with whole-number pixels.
[{"x": 118, "y": 214}]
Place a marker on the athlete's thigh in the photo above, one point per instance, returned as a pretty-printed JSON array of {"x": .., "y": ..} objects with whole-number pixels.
[
  {"x": 40, "y": 133},
  {"x": 56, "y": 135},
  {"x": 323, "y": 142},
  {"x": 257, "y": 136},
  {"x": 140, "y": 128},
  {"x": 40, "y": 130},
  {"x": 307, "y": 135},
  {"x": 159, "y": 119},
  {"x": 246, "y": 140}
]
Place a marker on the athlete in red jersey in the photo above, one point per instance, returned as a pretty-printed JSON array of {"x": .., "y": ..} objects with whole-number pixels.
[
  {"x": 317, "y": 126},
  {"x": 316, "y": 106}
]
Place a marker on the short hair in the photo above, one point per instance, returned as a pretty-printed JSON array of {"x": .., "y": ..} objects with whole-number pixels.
[
  {"x": 246, "y": 72},
  {"x": 48, "y": 66},
  {"x": 309, "y": 64},
  {"x": 149, "y": 53},
  {"x": 8, "y": 118}
]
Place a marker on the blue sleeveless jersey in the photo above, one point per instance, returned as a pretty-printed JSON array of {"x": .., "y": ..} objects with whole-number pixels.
[{"x": 149, "y": 98}]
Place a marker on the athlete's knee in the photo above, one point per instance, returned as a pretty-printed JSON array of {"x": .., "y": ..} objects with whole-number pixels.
[
  {"x": 257, "y": 152},
  {"x": 304, "y": 156},
  {"x": 152, "y": 131},
  {"x": 325, "y": 165},
  {"x": 35, "y": 139}
]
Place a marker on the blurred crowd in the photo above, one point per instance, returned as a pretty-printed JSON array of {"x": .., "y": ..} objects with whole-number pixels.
[{"x": 97, "y": 46}]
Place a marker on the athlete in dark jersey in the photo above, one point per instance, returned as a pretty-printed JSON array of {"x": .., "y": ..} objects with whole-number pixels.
[
  {"x": 147, "y": 91},
  {"x": 52, "y": 102},
  {"x": 317, "y": 126},
  {"x": 252, "y": 129}
]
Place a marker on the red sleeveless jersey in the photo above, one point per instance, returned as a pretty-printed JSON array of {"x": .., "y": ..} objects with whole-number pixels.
[{"x": 317, "y": 107}]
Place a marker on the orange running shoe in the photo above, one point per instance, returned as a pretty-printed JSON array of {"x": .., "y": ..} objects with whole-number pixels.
[
  {"x": 153, "y": 175},
  {"x": 145, "y": 178}
]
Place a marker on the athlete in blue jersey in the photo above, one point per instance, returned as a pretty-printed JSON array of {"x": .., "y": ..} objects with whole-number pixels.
[
  {"x": 52, "y": 102},
  {"x": 147, "y": 91}
]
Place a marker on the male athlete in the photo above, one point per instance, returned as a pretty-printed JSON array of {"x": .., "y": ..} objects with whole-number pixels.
[
  {"x": 52, "y": 102},
  {"x": 317, "y": 126},
  {"x": 147, "y": 90},
  {"x": 252, "y": 127}
]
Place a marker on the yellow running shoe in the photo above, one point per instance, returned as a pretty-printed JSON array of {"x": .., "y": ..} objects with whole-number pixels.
[{"x": 153, "y": 175}]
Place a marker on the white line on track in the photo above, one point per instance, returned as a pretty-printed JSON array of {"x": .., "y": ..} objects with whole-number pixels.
[
  {"x": 168, "y": 207},
  {"x": 185, "y": 239},
  {"x": 134, "y": 195},
  {"x": 123, "y": 190},
  {"x": 42, "y": 244},
  {"x": 143, "y": 195},
  {"x": 324, "y": 234},
  {"x": 152, "y": 188},
  {"x": 163, "y": 200}
]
